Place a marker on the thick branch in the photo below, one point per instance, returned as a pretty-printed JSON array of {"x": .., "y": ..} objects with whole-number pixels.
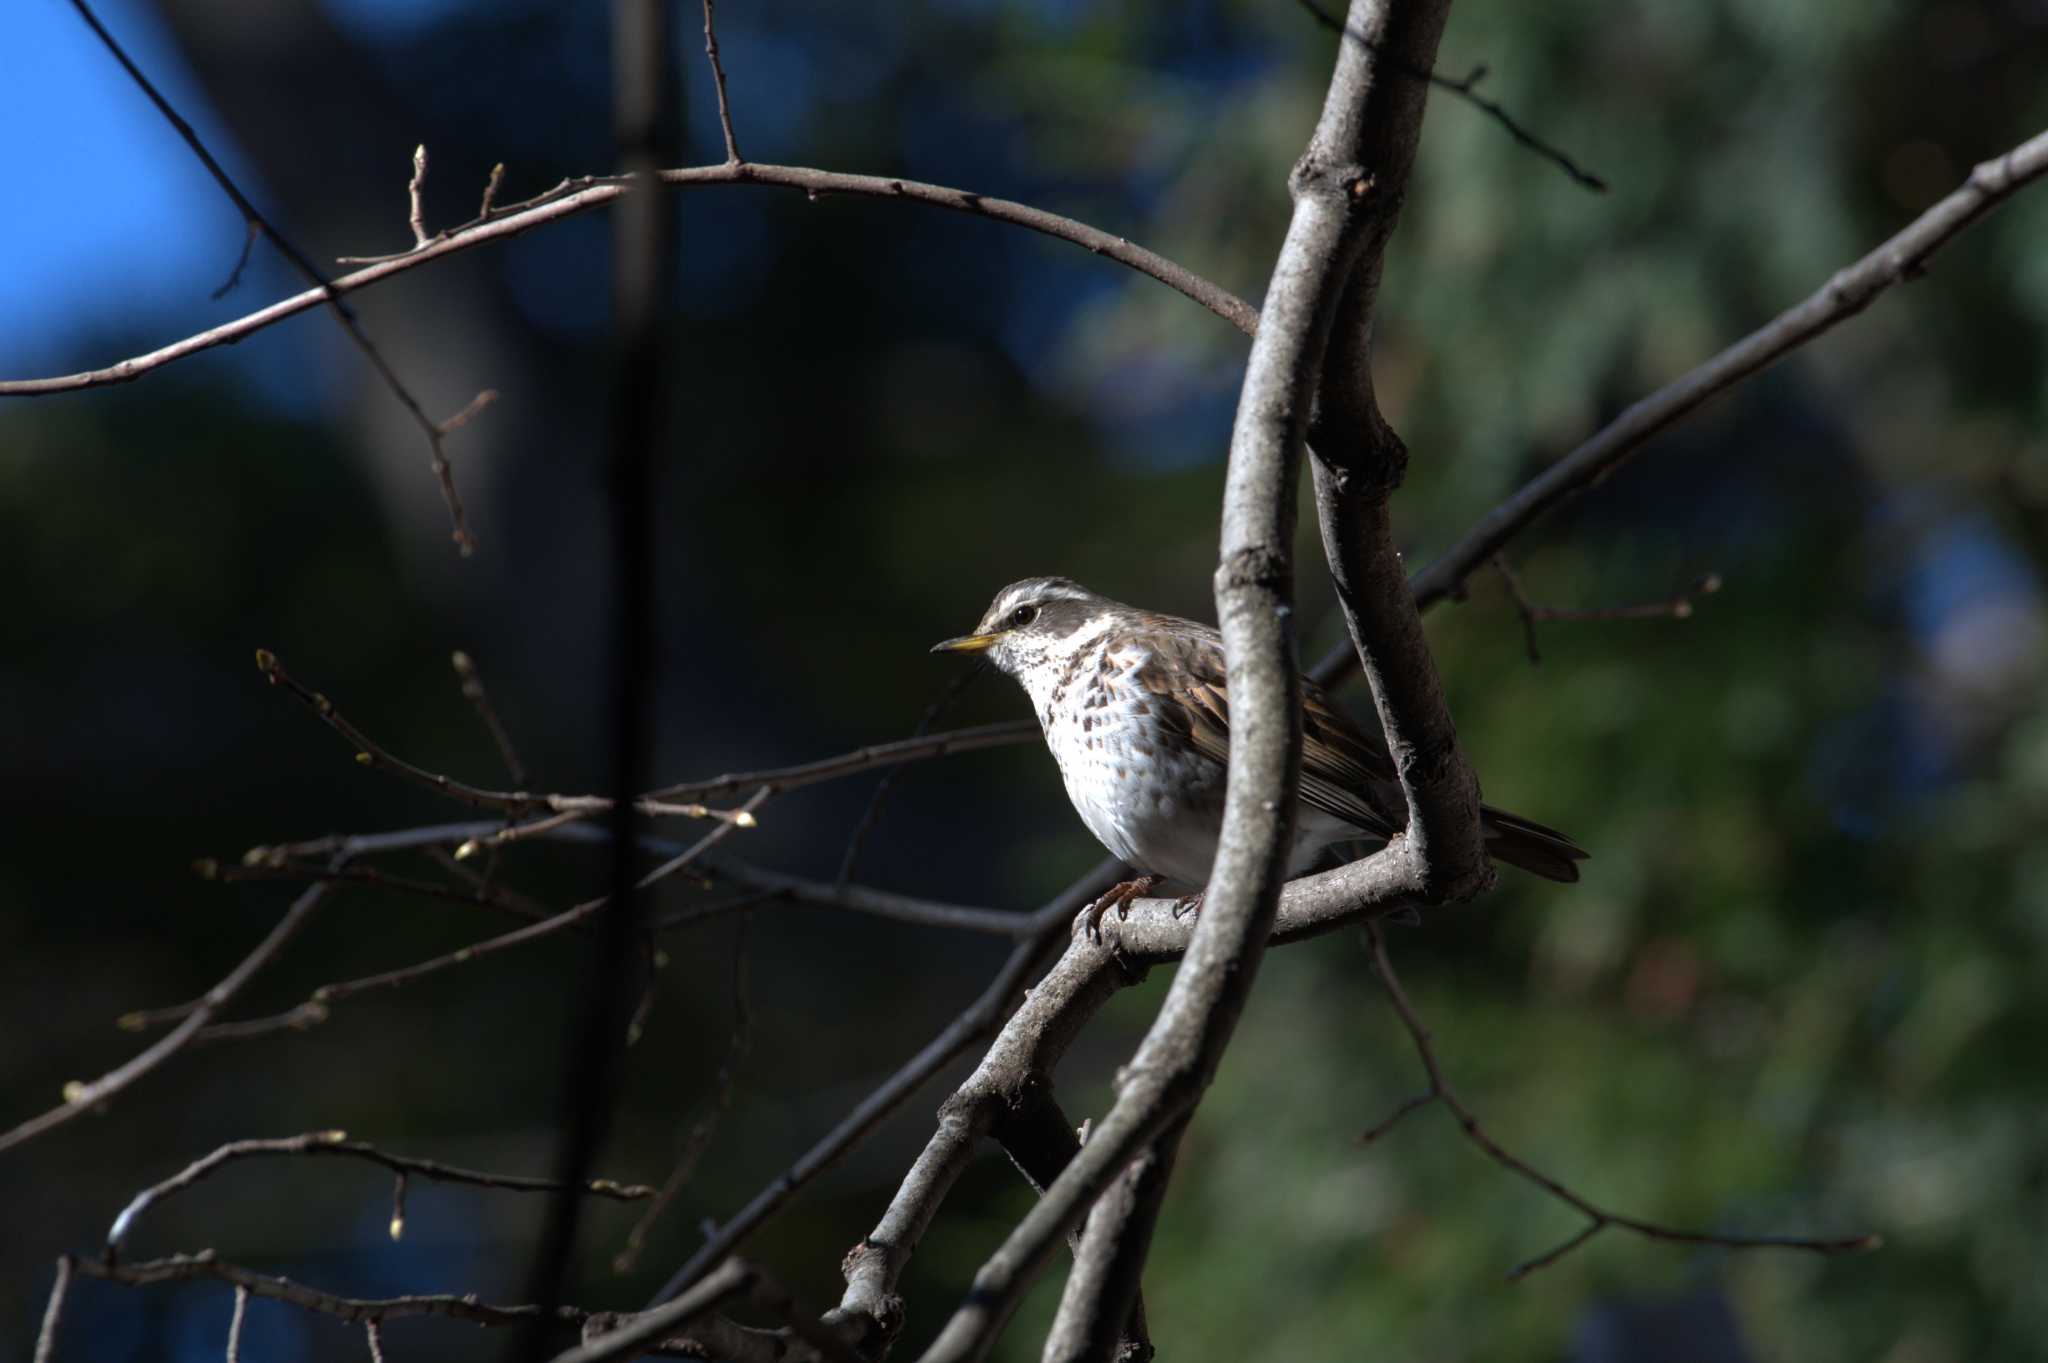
[
  {"x": 1359, "y": 461},
  {"x": 1100, "y": 1319}
]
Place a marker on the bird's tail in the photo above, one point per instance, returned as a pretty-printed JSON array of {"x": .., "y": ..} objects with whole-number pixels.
[{"x": 1525, "y": 843}]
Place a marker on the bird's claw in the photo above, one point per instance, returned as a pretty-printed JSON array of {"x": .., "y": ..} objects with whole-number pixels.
[{"x": 1118, "y": 897}]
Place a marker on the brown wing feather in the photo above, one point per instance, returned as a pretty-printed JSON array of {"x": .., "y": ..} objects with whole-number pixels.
[{"x": 1339, "y": 763}]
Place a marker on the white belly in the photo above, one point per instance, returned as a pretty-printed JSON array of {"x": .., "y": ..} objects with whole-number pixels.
[{"x": 1154, "y": 805}]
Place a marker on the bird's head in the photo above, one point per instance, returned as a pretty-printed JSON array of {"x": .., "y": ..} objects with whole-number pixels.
[{"x": 1031, "y": 623}]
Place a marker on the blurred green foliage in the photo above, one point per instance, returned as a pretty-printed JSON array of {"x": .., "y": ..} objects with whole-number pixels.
[{"x": 1797, "y": 990}]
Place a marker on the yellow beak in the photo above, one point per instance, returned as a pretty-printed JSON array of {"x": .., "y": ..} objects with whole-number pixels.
[{"x": 968, "y": 643}]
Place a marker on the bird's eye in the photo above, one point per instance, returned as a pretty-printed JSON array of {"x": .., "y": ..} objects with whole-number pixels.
[{"x": 1023, "y": 616}]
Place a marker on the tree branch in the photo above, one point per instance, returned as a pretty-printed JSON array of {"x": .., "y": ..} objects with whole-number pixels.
[
  {"x": 1597, "y": 1218},
  {"x": 337, "y": 1143},
  {"x": 324, "y": 290},
  {"x": 1359, "y": 461},
  {"x": 572, "y": 197},
  {"x": 1100, "y": 1318},
  {"x": 53, "y": 1312},
  {"x": 1466, "y": 88},
  {"x": 1678, "y": 606},
  {"x": 1847, "y": 292},
  {"x": 80, "y": 1097},
  {"x": 204, "y": 1264}
]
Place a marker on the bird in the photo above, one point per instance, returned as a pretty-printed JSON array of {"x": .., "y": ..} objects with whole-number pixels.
[{"x": 1135, "y": 707}]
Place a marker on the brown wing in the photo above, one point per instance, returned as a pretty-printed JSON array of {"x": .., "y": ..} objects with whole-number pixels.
[{"x": 1339, "y": 762}]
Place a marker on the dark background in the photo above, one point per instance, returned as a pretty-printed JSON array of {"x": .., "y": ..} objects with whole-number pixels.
[{"x": 1799, "y": 989}]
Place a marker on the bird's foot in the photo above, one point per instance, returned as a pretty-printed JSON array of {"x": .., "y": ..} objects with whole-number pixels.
[
  {"x": 1119, "y": 898},
  {"x": 1188, "y": 905}
]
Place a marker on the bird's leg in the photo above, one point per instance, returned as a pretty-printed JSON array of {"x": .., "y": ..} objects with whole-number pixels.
[{"x": 1119, "y": 898}]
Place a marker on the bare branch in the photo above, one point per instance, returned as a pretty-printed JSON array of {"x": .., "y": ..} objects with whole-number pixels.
[
  {"x": 473, "y": 692},
  {"x": 234, "y": 1351},
  {"x": 732, "y": 146},
  {"x": 572, "y": 197},
  {"x": 678, "y": 800},
  {"x": 1847, "y": 292},
  {"x": 414, "y": 189},
  {"x": 741, "y": 818},
  {"x": 766, "y": 884},
  {"x": 483, "y": 210},
  {"x": 53, "y": 1313},
  {"x": 698, "y": 1139},
  {"x": 730, "y": 1280},
  {"x": 329, "y": 994},
  {"x": 1100, "y": 1318},
  {"x": 782, "y": 779},
  {"x": 81, "y": 1097},
  {"x": 250, "y": 233},
  {"x": 1678, "y": 607},
  {"x": 1359, "y": 461},
  {"x": 204, "y": 1264},
  {"x": 1465, "y": 89},
  {"x": 973, "y": 1023},
  {"x": 1021, "y": 1059},
  {"x": 337, "y": 1143},
  {"x": 324, "y": 290},
  {"x": 276, "y": 867},
  {"x": 932, "y": 714},
  {"x": 1597, "y": 1218}
]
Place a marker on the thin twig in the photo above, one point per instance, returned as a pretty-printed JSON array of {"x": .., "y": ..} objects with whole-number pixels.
[
  {"x": 698, "y": 1139},
  {"x": 53, "y": 1313},
  {"x": 328, "y": 994},
  {"x": 732, "y": 146},
  {"x": 512, "y": 901},
  {"x": 324, "y": 289},
  {"x": 313, "y": 1011},
  {"x": 250, "y": 234},
  {"x": 80, "y": 1098},
  {"x": 1598, "y": 1218},
  {"x": 972, "y": 1023},
  {"x": 304, "y": 1018},
  {"x": 954, "y": 690},
  {"x": 1676, "y": 607},
  {"x": 337, "y": 1143},
  {"x": 763, "y": 884},
  {"x": 414, "y": 191},
  {"x": 678, "y": 800},
  {"x": 371, "y": 754},
  {"x": 741, "y": 818},
  {"x": 1465, "y": 90},
  {"x": 279, "y": 868},
  {"x": 373, "y": 1334},
  {"x": 234, "y": 1352},
  {"x": 483, "y": 210},
  {"x": 473, "y": 691},
  {"x": 783, "y": 779},
  {"x": 204, "y": 1264}
]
